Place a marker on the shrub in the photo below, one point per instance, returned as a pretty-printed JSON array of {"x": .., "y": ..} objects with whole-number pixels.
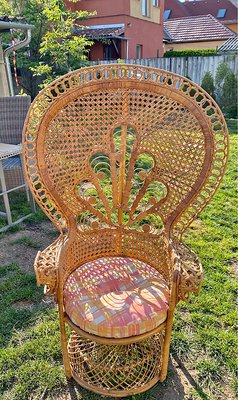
[
  {"x": 229, "y": 95},
  {"x": 191, "y": 53},
  {"x": 208, "y": 84},
  {"x": 226, "y": 90},
  {"x": 231, "y": 111},
  {"x": 221, "y": 72}
]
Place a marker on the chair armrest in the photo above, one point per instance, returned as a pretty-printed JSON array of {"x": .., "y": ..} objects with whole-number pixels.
[
  {"x": 46, "y": 266},
  {"x": 191, "y": 273},
  {"x": 187, "y": 273},
  {"x": 173, "y": 261}
]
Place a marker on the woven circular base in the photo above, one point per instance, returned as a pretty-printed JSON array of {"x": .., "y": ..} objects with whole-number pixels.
[{"x": 115, "y": 369}]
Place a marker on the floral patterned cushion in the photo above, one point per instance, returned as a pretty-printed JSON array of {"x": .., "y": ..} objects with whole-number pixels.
[{"x": 116, "y": 297}]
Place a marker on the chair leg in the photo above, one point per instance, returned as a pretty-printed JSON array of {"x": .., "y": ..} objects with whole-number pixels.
[
  {"x": 63, "y": 338},
  {"x": 5, "y": 195},
  {"x": 168, "y": 329}
]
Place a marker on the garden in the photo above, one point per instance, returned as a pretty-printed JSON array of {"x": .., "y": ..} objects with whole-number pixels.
[{"x": 203, "y": 361}]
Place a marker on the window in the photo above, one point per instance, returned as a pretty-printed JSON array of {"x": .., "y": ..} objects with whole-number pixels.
[
  {"x": 155, "y": 3},
  {"x": 145, "y": 8},
  {"x": 139, "y": 48},
  {"x": 107, "y": 52},
  {"x": 166, "y": 14},
  {"x": 221, "y": 13}
]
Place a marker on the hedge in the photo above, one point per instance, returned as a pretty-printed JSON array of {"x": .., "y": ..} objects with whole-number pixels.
[{"x": 184, "y": 53}]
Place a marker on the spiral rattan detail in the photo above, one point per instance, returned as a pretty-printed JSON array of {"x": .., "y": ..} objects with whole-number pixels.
[{"x": 116, "y": 369}]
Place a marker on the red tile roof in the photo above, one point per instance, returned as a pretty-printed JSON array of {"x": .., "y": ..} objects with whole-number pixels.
[
  {"x": 177, "y": 9},
  {"x": 201, "y": 7},
  {"x": 212, "y": 7},
  {"x": 199, "y": 28}
]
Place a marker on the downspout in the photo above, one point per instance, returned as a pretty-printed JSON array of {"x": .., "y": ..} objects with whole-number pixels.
[
  {"x": 127, "y": 49},
  {"x": 8, "y": 51}
]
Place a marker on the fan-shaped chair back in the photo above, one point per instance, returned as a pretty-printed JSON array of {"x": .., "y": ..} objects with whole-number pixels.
[{"x": 124, "y": 153}]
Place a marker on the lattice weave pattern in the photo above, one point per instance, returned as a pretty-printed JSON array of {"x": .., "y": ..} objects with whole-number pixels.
[
  {"x": 88, "y": 129},
  {"x": 83, "y": 248},
  {"x": 118, "y": 367}
]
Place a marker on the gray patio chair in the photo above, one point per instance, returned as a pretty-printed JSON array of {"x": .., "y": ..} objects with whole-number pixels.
[{"x": 13, "y": 112}]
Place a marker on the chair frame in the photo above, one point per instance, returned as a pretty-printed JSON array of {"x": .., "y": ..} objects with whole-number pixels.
[
  {"x": 183, "y": 266},
  {"x": 13, "y": 111}
]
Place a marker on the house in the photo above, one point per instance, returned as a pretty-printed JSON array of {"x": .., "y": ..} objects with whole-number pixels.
[
  {"x": 224, "y": 10},
  {"x": 199, "y": 32},
  {"x": 123, "y": 29}
]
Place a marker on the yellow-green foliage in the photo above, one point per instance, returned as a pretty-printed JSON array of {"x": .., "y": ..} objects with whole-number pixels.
[{"x": 55, "y": 49}]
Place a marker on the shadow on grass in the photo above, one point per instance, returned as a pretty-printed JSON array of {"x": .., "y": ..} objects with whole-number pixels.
[{"x": 190, "y": 379}]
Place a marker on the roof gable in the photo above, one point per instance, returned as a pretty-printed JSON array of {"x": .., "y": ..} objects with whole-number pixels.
[
  {"x": 202, "y": 7},
  {"x": 178, "y": 10},
  {"x": 212, "y": 7}
]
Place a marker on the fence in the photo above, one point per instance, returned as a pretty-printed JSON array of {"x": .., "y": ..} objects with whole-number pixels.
[{"x": 192, "y": 67}]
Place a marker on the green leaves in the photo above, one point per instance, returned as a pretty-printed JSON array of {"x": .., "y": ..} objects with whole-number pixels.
[
  {"x": 226, "y": 90},
  {"x": 6, "y": 8},
  {"x": 55, "y": 48},
  {"x": 208, "y": 84},
  {"x": 41, "y": 69},
  {"x": 60, "y": 47}
]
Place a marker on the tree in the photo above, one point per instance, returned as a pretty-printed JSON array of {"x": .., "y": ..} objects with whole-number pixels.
[
  {"x": 229, "y": 95},
  {"x": 221, "y": 72},
  {"x": 226, "y": 90},
  {"x": 6, "y": 8},
  {"x": 208, "y": 84},
  {"x": 55, "y": 48}
]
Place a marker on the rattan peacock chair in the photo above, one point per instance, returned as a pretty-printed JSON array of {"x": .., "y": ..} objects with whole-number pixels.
[{"x": 121, "y": 158}]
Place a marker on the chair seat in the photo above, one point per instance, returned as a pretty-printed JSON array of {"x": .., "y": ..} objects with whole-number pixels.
[{"x": 116, "y": 297}]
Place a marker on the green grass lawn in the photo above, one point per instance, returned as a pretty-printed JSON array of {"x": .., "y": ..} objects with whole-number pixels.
[
  {"x": 204, "y": 338},
  {"x": 205, "y": 330}
]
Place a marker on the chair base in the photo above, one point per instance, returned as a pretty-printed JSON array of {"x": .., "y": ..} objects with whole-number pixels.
[{"x": 116, "y": 370}]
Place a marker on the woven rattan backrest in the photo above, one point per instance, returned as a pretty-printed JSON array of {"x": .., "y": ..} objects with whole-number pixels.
[{"x": 124, "y": 147}]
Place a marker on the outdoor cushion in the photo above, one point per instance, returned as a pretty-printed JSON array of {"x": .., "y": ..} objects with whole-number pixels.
[{"x": 116, "y": 297}]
